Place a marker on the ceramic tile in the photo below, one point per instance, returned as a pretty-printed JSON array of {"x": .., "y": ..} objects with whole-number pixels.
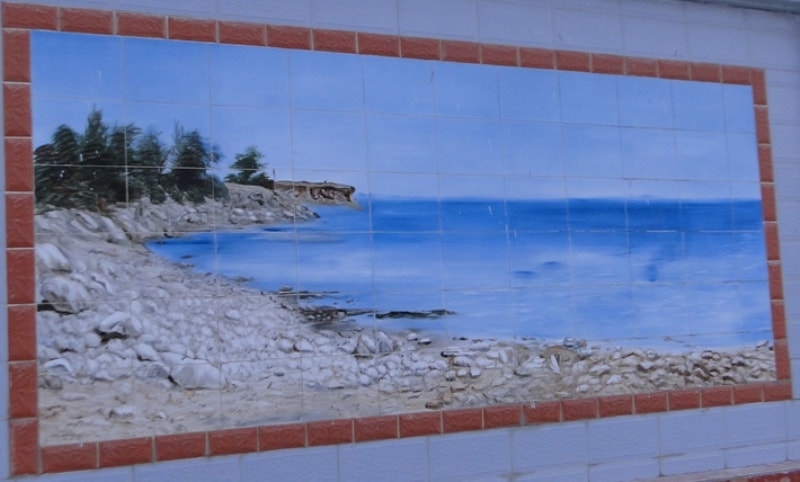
[
  {"x": 701, "y": 155},
  {"x": 532, "y": 149},
  {"x": 155, "y": 71},
  {"x": 312, "y": 75},
  {"x": 592, "y": 151},
  {"x": 456, "y": 82},
  {"x": 592, "y": 99},
  {"x": 529, "y": 94},
  {"x": 400, "y": 144},
  {"x": 697, "y": 105},
  {"x": 640, "y": 161},
  {"x": 645, "y": 102},
  {"x": 381, "y": 77},
  {"x": 265, "y": 83},
  {"x": 88, "y": 69},
  {"x": 468, "y": 146},
  {"x": 329, "y": 140}
]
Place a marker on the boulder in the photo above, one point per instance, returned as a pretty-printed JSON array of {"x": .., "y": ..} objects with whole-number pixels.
[
  {"x": 197, "y": 374},
  {"x": 66, "y": 295},
  {"x": 49, "y": 257}
]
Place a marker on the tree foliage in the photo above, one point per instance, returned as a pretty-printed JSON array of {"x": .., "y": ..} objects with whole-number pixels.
[
  {"x": 250, "y": 169},
  {"x": 106, "y": 164}
]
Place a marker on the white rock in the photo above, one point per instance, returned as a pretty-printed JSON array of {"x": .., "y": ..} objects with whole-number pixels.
[
  {"x": 146, "y": 352},
  {"x": 194, "y": 374},
  {"x": 474, "y": 372},
  {"x": 59, "y": 364},
  {"x": 50, "y": 258},
  {"x": 412, "y": 337},
  {"x": 233, "y": 315},
  {"x": 303, "y": 346},
  {"x": 598, "y": 370},
  {"x": 114, "y": 323},
  {"x": 614, "y": 380},
  {"x": 123, "y": 412},
  {"x": 462, "y": 361},
  {"x": 66, "y": 295}
]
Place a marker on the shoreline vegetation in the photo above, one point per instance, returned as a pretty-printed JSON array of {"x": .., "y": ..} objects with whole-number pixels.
[{"x": 130, "y": 344}]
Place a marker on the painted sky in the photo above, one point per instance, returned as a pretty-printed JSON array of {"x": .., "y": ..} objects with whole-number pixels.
[{"x": 397, "y": 126}]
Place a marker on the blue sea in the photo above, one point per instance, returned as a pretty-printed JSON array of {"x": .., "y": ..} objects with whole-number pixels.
[{"x": 654, "y": 273}]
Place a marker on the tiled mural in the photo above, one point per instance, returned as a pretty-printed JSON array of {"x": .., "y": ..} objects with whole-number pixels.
[{"x": 233, "y": 236}]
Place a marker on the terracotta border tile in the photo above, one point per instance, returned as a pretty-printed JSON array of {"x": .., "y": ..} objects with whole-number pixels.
[
  {"x": 86, "y": 21},
  {"x": 615, "y": 405},
  {"x": 114, "y": 453},
  {"x": 608, "y": 64},
  {"x": 180, "y": 446},
  {"x": 17, "y": 109},
  {"x": 502, "y": 416},
  {"x": 650, "y": 402},
  {"x": 376, "y": 428},
  {"x": 22, "y": 265},
  {"x": 21, "y": 332},
  {"x": 377, "y": 44},
  {"x": 274, "y": 437},
  {"x": 499, "y": 55},
  {"x": 19, "y": 164},
  {"x": 240, "y": 33},
  {"x": 759, "y": 83},
  {"x": 775, "y": 392},
  {"x": 733, "y": 74},
  {"x": 579, "y": 408},
  {"x": 765, "y": 162},
  {"x": 330, "y": 432},
  {"x": 334, "y": 40},
  {"x": 641, "y": 67},
  {"x": 24, "y": 446},
  {"x": 420, "y": 48},
  {"x": 23, "y": 389},
  {"x": 771, "y": 237},
  {"x": 747, "y": 393},
  {"x": 233, "y": 441},
  {"x": 762, "y": 125},
  {"x": 574, "y": 61},
  {"x": 768, "y": 208},
  {"x": 457, "y": 51},
  {"x": 537, "y": 58},
  {"x": 66, "y": 458},
  {"x": 16, "y": 55},
  {"x": 20, "y": 15},
  {"x": 19, "y": 220},
  {"x": 775, "y": 280},
  {"x": 706, "y": 72},
  {"x": 542, "y": 412},
  {"x": 462, "y": 420},
  {"x": 683, "y": 399},
  {"x": 420, "y": 423},
  {"x": 289, "y": 37},
  {"x": 716, "y": 396},
  {"x": 141, "y": 25},
  {"x": 778, "y": 319},
  {"x": 782, "y": 361},
  {"x": 674, "y": 69},
  {"x": 181, "y": 28}
]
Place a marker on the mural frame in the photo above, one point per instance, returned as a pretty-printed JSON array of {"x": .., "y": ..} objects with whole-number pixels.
[{"x": 28, "y": 457}]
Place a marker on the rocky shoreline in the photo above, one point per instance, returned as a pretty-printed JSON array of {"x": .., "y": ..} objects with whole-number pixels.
[{"x": 132, "y": 345}]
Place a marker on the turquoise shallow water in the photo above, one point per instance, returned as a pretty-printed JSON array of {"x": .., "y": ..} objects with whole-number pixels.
[{"x": 645, "y": 273}]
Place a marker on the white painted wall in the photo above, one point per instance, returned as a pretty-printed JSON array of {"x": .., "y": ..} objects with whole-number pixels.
[{"x": 599, "y": 450}]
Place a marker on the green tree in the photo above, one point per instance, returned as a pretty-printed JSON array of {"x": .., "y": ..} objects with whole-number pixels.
[
  {"x": 249, "y": 164},
  {"x": 57, "y": 170},
  {"x": 146, "y": 175},
  {"x": 193, "y": 156}
]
